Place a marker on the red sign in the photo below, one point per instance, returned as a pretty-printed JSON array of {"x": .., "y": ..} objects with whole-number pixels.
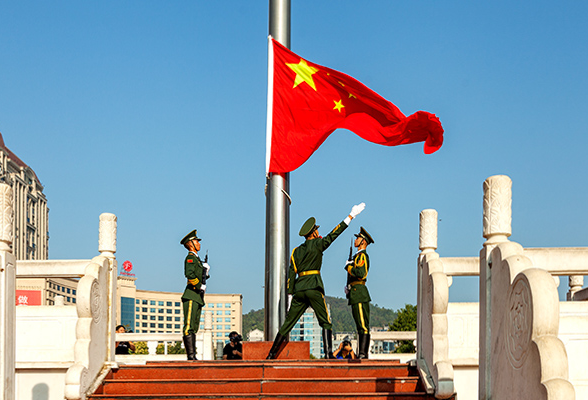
[
  {"x": 128, "y": 267},
  {"x": 28, "y": 297}
]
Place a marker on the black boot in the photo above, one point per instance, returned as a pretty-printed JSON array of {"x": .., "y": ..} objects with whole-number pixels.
[
  {"x": 189, "y": 344},
  {"x": 363, "y": 345},
  {"x": 276, "y": 346},
  {"x": 328, "y": 344}
]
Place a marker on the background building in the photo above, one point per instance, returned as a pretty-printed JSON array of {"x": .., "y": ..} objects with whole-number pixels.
[
  {"x": 31, "y": 215},
  {"x": 146, "y": 311}
]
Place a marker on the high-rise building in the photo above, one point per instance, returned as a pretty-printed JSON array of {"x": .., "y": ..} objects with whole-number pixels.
[
  {"x": 31, "y": 215},
  {"x": 307, "y": 329}
]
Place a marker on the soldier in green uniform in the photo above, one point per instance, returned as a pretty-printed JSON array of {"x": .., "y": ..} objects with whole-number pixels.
[
  {"x": 193, "y": 298},
  {"x": 359, "y": 297},
  {"x": 305, "y": 285}
]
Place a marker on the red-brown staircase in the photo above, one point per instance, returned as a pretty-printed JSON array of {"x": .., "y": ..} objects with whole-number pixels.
[{"x": 275, "y": 379}]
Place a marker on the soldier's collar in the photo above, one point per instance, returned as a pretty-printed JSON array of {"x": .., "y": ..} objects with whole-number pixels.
[{"x": 196, "y": 254}]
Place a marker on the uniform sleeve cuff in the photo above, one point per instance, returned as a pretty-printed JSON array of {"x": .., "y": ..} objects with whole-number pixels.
[{"x": 347, "y": 220}]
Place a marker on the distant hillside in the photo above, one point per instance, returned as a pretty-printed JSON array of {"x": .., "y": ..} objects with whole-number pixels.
[{"x": 340, "y": 315}]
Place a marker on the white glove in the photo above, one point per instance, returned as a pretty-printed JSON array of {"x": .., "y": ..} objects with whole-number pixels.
[
  {"x": 206, "y": 267},
  {"x": 203, "y": 288},
  {"x": 356, "y": 210},
  {"x": 348, "y": 263},
  {"x": 346, "y": 290},
  {"x": 289, "y": 301}
]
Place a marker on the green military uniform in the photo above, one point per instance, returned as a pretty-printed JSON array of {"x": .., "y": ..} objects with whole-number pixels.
[
  {"x": 359, "y": 296},
  {"x": 192, "y": 298},
  {"x": 304, "y": 279}
]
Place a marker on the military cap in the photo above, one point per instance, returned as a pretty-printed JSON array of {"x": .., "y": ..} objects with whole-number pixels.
[
  {"x": 363, "y": 234},
  {"x": 308, "y": 227},
  {"x": 190, "y": 236}
]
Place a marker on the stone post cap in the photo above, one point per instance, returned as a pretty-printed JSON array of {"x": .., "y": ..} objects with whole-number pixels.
[
  {"x": 497, "y": 207},
  {"x": 428, "y": 229},
  {"x": 107, "y": 234}
]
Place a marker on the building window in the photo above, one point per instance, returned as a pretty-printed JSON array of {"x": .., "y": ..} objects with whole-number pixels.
[
  {"x": 219, "y": 305},
  {"x": 169, "y": 310},
  {"x": 168, "y": 304},
  {"x": 151, "y": 302},
  {"x": 211, "y": 305},
  {"x": 160, "y": 318},
  {"x": 177, "y": 318},
  {"x": 160, "y": 326},
  {"x": 160, "y": 303},
  {"x": 227, "y": 305},
  {"x": 68, "y": 291},
  {"x": 144, "y": 302},
  {"x": 176, "y": 326},
  {"x": 227, "y": 320},
  {"x": 177, "y": 303},
  {"x": 137, "y": 309},
  {"x": 152, "y": 317},
  {"x": 227, "y": 312},
  {"x": 144, "y": 324},
  {"x": 152, "y": 325},
  {"x": 177, "y": 311},
  {"x": 161, "y": 310},
  {"x": 168, "y": 318},
  {"x": 144, "y": 309},
  {"x": 144, "y": 317},
  {"x": 137, "y": 301},
  {"x": 227, "y": 327},
  {"x": 168, "y": 326},
  {"x": 73, "y": 291},
  {"x": 219, "y": 312}
]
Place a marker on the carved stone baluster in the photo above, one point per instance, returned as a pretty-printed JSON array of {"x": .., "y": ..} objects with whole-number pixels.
[
  {"x": 107, "y": 248},
  {"x": 576, "y": 283},
  {"x": 497, "y": 218},
  {"x": 7, "y": 294}
]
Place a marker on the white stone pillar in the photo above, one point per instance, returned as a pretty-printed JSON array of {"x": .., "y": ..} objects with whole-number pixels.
[
  {"x": 427, "y": 244},
  {"x": 7, "y": 294},
  {"x": 207, "y": 350},
  {"x": 107, "y": 248},
  {"x": 576, "y": 282},
  {"x": 497, "y": 228}
]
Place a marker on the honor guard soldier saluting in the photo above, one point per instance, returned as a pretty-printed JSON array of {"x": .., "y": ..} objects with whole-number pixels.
[
  {"x": 193, "y": 298},
  {"x": 305, "y": 286},
  {"x": 359, "y": 298}
]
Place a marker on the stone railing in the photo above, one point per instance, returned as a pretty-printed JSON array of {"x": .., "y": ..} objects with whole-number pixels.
[
  {"x": 519, "y": 347},
  {"x": 64, "y": 349},
  {"x": 204, "y": 344},
  {"x": 447, "y": 333}
]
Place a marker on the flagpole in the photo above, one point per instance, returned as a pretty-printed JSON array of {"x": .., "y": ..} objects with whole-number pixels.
[{"x": 277, "y": 223}]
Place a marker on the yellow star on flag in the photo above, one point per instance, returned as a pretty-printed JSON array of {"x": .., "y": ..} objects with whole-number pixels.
[
  {"x": 338, "y": 105},
  {"x": 304, "y": 73}
]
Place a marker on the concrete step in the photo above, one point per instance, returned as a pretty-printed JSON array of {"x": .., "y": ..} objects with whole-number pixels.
[
  {"x": 272, "y": 396},
  {"x": 270, "y": 369},
  {"x": 255, "y": 385}
]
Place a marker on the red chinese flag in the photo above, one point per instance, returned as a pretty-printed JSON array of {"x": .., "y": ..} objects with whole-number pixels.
[{"x": 307, "y": 102}]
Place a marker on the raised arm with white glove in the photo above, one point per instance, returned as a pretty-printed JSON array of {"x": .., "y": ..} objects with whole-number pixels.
[{"x": 355, "y": 211}]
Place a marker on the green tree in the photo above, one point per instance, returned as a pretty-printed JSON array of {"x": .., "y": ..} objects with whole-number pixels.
[
  {"x": 406, "y": 320},
  {"x": 175, "y": 348},
  {"x": 141, "y": 348}
]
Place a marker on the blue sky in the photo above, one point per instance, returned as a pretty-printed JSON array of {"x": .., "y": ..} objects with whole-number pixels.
[{"x": 156, "y": 111}]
